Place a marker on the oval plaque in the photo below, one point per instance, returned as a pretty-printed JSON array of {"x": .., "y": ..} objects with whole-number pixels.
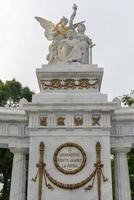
[{"x": 69, "y": 158}]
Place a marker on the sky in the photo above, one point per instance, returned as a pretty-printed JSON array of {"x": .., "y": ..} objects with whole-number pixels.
[{"x": 109, "y": 23}]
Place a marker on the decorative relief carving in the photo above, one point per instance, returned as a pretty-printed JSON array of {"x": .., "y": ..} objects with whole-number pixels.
[
  {"x": 71, "y": 186},
  {"x": 69, "y": 158},
  {"x": 78, "y": 120},
  {"x": 61, "y": 121},
  {"x": 43, "y": 173},
  {"x": 84, "y": 83},
  {"x": 70, "y": 84},
  {"x": 55, "y": 83},
  {"x": 43, "y": 121},
  {"x": 96, "y": 120},
  {"x": 75, "y": 120}
]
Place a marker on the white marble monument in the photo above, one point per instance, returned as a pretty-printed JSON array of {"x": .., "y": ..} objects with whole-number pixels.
[{"x": 69, "y": 129}]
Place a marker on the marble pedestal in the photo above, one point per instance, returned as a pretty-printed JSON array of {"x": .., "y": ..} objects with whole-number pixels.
[{"x": 70, "y": 109}]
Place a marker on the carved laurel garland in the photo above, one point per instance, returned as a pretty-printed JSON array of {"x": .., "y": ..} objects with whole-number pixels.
[
  {"x": 70, "y": 186},
  {"x": 69, "y": 84}
]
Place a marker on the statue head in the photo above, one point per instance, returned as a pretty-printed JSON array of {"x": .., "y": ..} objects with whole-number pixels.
[
  {"x": 81, "y": 28},
  {"x": 63, "y": 21}
]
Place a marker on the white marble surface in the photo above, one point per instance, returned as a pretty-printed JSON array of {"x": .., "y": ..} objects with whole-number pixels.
[{"x": 52, "y": 140}]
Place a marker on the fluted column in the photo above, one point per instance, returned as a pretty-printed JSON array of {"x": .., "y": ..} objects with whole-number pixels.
[
  {"x": 18, "y": 181},
  {"x": 122, "y": 182}
]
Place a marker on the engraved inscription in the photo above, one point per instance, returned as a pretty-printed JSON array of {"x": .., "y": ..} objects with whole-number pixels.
[{"x": 69, "y": 158}]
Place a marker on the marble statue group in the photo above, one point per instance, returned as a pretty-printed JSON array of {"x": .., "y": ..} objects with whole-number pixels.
[
  {"x": 69, "y": 42},
  {"x": 69, "y": 129}
]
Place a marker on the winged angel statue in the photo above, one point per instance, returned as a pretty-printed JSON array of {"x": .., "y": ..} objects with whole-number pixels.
[{"x": 68, "y": 44}]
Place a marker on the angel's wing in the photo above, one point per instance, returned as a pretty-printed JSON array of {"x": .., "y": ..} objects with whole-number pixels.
[{"x": 47, "y": 25}]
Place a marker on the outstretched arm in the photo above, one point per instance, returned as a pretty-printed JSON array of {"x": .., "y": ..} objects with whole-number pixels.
[{"x": 72, "y": 16}]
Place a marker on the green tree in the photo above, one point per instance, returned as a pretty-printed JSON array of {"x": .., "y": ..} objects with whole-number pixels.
[
  {"x": 131, "y": 171},
  {"x": 128, "y": 99},
  {"x": 3, "y": 94},
  {"x": 5, "y": 170},
  {"x": 10, "y": 91},
  {"x": 13, "y": 90}
]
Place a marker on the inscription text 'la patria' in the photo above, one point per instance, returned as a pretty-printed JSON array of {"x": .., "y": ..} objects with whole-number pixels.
[{"x": 69, "y": 158}]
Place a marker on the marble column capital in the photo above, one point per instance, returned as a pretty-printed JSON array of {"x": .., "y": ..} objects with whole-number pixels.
[
  {"x": 124, "y": 150},
  {"x": 121, "y": 149},
  {"x": 23, "y": 150}
]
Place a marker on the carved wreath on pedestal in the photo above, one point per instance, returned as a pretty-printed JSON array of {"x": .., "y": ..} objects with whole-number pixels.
[{"x": 72, "y": 156}]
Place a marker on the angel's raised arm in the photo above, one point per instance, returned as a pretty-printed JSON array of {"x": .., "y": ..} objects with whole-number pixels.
[{"x": 72, "y": 16}]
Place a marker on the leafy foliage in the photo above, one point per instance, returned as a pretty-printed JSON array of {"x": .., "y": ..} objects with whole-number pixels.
[
  {"x": 3, "y": 94},
  {"x": 131, "y": 171},
  {"x": 128, "y": 99},
  {"x": 13, "y": 90},
  {"x": 113, "y": 177},
  {"x": 5, "y": 170}
]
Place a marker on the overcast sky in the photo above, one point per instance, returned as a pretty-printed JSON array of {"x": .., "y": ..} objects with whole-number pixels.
[{"x": 110, "y": 24}]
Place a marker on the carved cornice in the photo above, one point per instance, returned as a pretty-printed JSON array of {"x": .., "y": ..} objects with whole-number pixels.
[{"x": 12, "y": 114}]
